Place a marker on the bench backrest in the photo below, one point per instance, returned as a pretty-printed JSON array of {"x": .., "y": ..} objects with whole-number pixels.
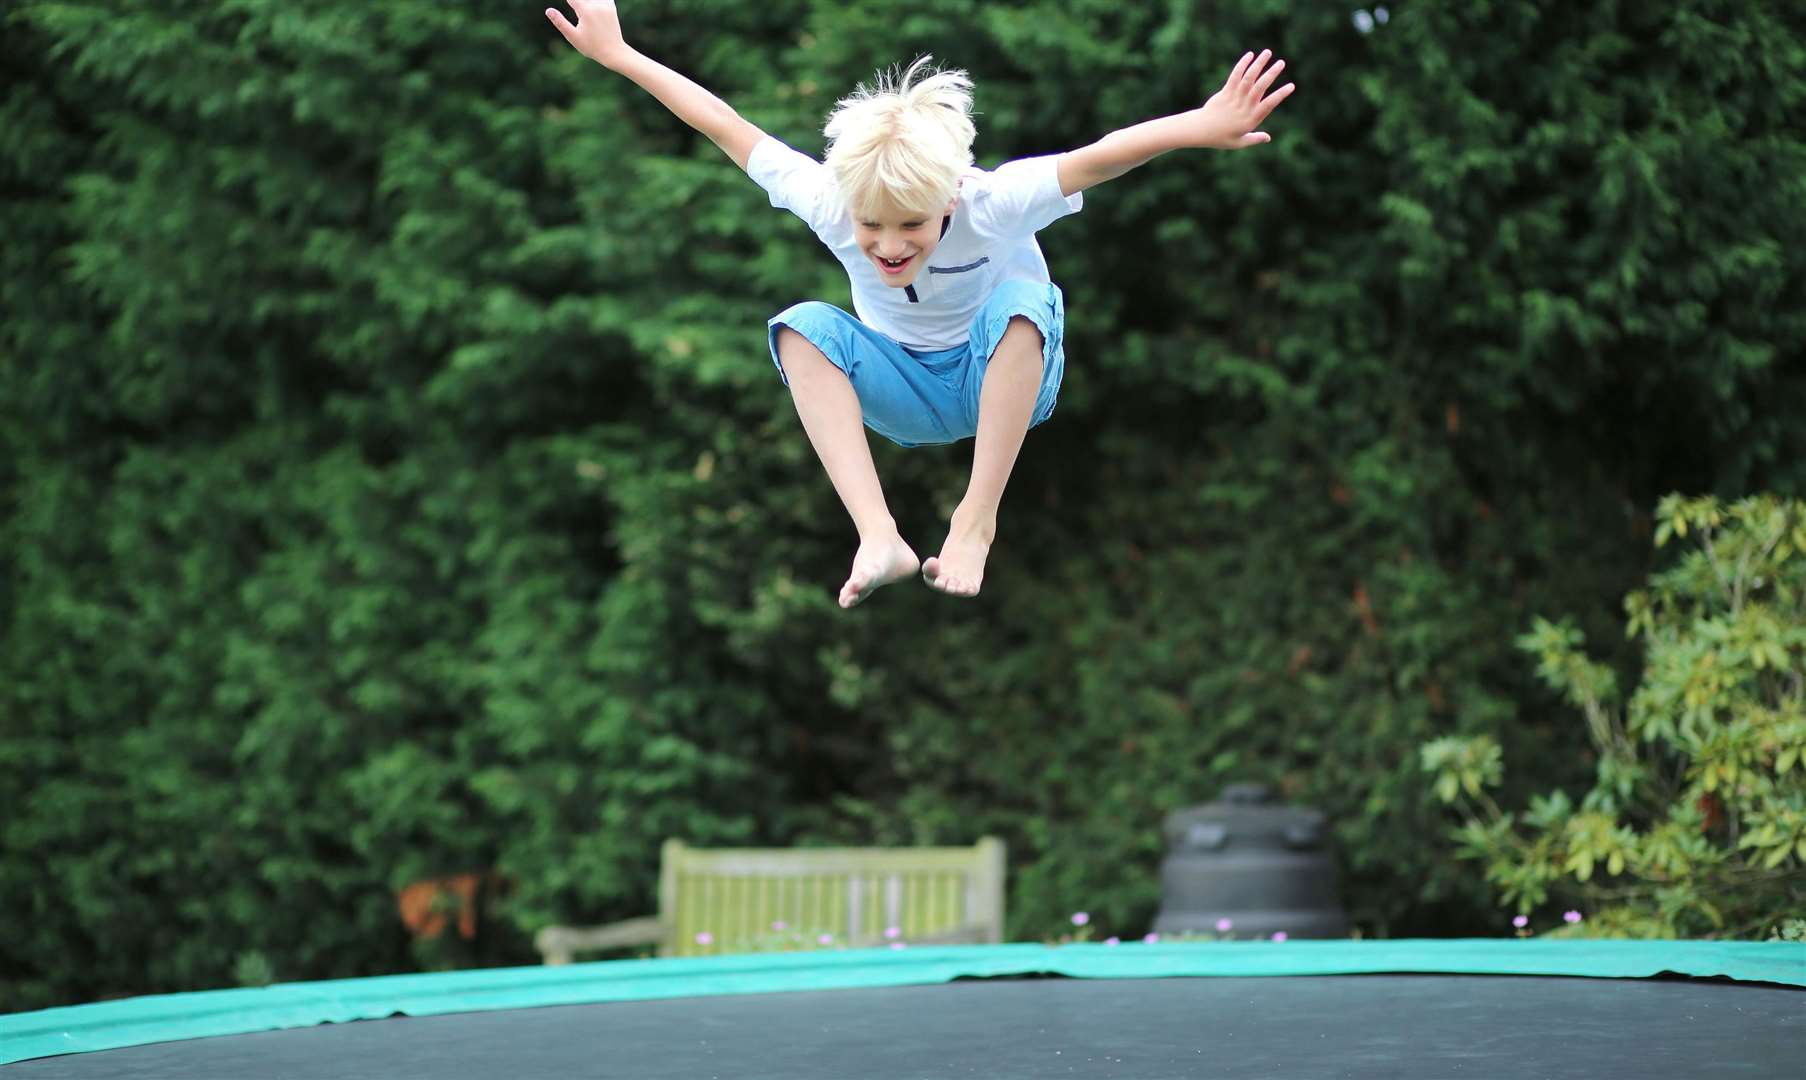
[{"x": 718, "y": 900}]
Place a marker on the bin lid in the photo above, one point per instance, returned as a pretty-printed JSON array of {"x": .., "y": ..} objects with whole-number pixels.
[{"x": 1249, "y": 815}]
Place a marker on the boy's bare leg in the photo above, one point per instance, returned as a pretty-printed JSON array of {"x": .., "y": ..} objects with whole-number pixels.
[
  {"x": 830, "y": 413},
  {"x": 1006, "y": 403}
]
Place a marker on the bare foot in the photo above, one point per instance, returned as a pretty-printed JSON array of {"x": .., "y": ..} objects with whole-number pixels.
[
  {"x": 877, "y": 563},
  {"x": 960, "y": 567}
]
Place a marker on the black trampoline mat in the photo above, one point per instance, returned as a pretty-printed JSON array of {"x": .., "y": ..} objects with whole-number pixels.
[{"x": 1396, "y": 1026}]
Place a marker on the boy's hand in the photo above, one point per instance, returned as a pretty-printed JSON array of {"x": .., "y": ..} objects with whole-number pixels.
[
  {"x": 1228, "y": 120},
  {"x": 597, "y": 34}
]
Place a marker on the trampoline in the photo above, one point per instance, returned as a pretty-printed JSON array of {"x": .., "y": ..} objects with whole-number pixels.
[{"x": 1408, "y": 1009}]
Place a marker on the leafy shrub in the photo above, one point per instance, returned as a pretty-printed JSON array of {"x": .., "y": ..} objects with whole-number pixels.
[{"x": 1696, "y": 821}]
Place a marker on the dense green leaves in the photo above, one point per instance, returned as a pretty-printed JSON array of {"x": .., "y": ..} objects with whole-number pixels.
[
  {"x": 1696, "y": 822},
  {"x": 395, "y": 483}
]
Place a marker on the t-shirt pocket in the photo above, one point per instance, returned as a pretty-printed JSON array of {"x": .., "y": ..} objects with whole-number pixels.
[{"x": 963, "y": 285}]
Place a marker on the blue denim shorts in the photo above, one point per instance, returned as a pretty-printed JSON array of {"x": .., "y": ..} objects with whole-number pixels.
[{"x": 916, "y": 398}]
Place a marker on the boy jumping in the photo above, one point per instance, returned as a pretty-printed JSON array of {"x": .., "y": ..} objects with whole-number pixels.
[{"x": 959, "y": 327}]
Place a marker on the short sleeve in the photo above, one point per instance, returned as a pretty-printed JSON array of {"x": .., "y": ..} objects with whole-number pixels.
[
  {"x": 798, "y": 183},
  {"x": 1020, "y": 198}
]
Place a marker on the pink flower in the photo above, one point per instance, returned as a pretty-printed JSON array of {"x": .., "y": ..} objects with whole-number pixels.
[
  {"x": 1279, "y": 935},
  {"x": 825, "y": 939},
  {"x": 1225, "y": 925},
  {"x": 1080, "y": 918},
  {"x": 1151, "y": 938},
  {"x": 1570, "y": 917},
  {"x": 780, "y": 925},
  {"x": 899, "y": 945},
  {"x": 1521, "y": 921},
  {"x": 893, "y": 932},
  {"x": 705, "y": 938},
  {"x": 1112, "y": 941}
]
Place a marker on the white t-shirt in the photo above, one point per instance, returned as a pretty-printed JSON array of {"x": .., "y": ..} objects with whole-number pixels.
[{"x": 990, "y": 239}]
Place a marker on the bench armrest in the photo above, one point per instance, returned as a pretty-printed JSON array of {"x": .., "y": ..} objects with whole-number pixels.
[{"x": 557, "y": 944}]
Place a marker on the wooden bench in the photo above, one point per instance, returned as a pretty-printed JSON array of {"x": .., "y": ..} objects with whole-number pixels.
[{"x": 724, "y": 900}]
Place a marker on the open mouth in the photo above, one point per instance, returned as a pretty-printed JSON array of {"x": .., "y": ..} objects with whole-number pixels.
[{"x": 893, "y": 266}]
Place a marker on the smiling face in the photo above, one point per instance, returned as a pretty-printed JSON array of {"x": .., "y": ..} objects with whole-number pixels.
[{"x": 898, "y": 242}]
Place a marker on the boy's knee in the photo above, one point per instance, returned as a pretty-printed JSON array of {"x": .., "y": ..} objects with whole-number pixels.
[
  {"x": 789, "y": 341},
  {"x": 1022, "y": 335},
  {"x": 1022, "y": 326},
  {"x": 797, "y": 356},
  {"x": 793, "y": 343},
  {"x": 811, "y": 315}
]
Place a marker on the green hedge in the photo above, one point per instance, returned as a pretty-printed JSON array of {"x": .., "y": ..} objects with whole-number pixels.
[{"x": 395, "y": 485}]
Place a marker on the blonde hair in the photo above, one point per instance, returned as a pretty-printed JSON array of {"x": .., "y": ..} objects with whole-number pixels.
[{"x": 901, "y": 144}]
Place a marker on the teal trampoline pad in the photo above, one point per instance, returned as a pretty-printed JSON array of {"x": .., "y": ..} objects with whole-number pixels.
[{"x": 1170, "y": 995}]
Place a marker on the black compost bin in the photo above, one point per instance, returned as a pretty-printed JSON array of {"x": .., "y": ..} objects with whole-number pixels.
[{"x": 1262, "y": 866}]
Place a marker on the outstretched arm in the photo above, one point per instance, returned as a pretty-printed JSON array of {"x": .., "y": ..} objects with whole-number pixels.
[
  {"x": 1226, "y": 122},
  {"x": 597, "y": 35}
]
